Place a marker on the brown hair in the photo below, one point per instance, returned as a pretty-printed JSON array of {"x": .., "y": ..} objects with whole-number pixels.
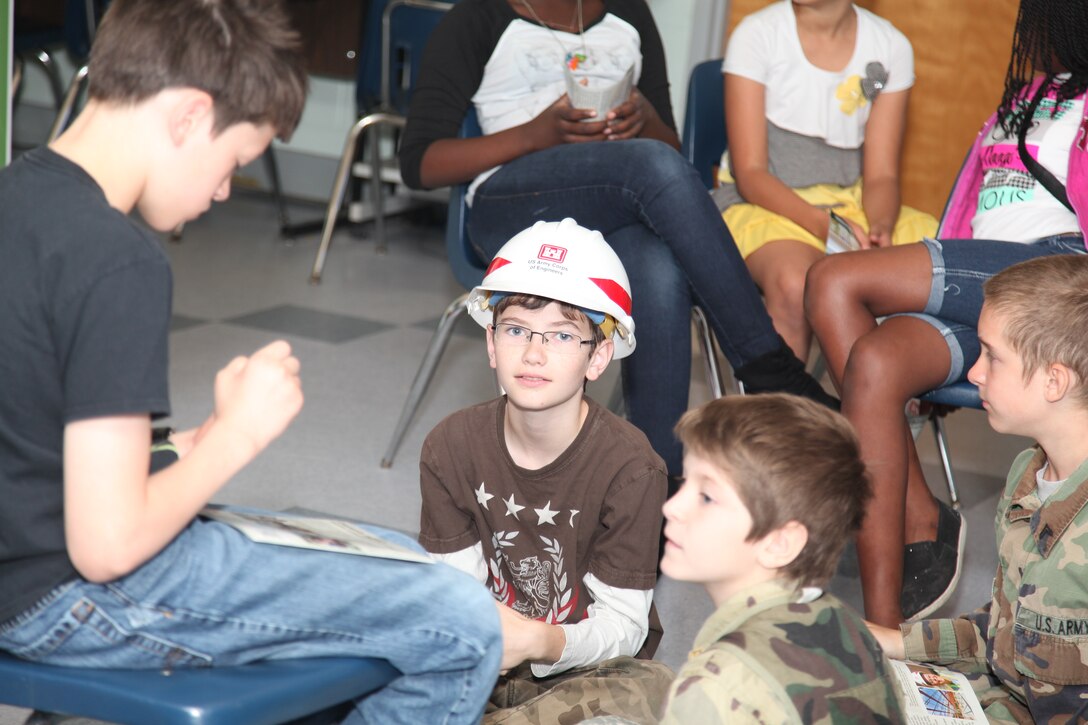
[
  {"x": 533, "y": 302},
  {"x": 243, "y": 53},
  {"x": 1044, "y": 303},
  {"x": 790, "y": 459}
]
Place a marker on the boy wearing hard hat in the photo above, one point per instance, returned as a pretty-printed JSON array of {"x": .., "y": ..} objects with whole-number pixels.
[{"x": 546, "y": 496}]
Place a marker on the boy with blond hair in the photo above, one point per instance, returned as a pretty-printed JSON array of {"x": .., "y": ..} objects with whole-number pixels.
[
  {"x": 1025, "y": 652},
  {"x": 773, "y": 488},
  {"x": 101, "y": 563}
]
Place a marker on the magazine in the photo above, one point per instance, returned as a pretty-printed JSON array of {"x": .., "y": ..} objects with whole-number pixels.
[
  {"x": 586, "y": 92},
  {"x": 311, "y": 532},
  {"x": 934, "y": 695},
  {"x": 840, "y": 237}
]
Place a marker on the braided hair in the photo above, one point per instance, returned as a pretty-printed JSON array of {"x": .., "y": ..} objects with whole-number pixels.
[{"x": 1049, "y": 38}]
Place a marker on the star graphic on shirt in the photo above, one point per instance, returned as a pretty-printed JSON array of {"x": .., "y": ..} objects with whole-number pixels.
[
  {"x": 512, "y": 507},
  {"x": 545, "y": 515},
  {"x": 482, "y": 496},
  {"x": 573, "y": 513}
]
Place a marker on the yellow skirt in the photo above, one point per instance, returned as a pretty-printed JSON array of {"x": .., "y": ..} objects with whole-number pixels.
[{"x": 753, "y": 226}]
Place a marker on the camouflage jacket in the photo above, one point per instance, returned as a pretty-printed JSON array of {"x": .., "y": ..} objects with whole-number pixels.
[
  {"x": 1032, "y": 638},
  {"x": 764, "y": 657}
]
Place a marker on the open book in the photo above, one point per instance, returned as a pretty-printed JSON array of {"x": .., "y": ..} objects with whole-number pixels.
[
  {"x": 934, "y": 695},
  {"x": 309, "y": 532}
]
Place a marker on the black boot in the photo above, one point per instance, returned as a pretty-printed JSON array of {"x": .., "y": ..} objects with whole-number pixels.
[{"x": 781, "y": 372}]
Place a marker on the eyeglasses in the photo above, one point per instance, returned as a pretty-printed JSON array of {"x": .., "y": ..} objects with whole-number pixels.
[{"x": 510, "y": 335}]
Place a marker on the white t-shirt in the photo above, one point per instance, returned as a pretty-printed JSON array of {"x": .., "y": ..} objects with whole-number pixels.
[
  {"x": 830, "y": 105},
  {"x": 1012, "y": 205},
  {"x": 525, "y": 73}
]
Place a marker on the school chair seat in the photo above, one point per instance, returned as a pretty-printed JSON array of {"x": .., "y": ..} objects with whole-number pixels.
[{"x": 261, "y": 693}]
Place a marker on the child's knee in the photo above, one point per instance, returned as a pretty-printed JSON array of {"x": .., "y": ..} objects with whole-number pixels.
[{"x": 873, "y": 370}]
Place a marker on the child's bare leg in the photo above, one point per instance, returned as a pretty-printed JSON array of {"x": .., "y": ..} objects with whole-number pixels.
[
  {"x": 845, "y": 293},
  {"x": 779, "y": 268},
  {"x": 888, "y": 366}
]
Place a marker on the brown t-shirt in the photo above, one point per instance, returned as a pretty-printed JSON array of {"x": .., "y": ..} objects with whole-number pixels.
[{"x": 595, "y": 509}]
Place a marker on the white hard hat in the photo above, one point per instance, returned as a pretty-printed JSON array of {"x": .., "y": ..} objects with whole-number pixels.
[{"x": 567, "y": 263}]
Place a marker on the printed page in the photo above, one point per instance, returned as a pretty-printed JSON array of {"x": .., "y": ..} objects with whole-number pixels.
[
  {"x": 840, "y": 237},
  {"x": 587, "y": 92},
  {"x": 308, "y": 532},
  {"x": 934, "y": 695}
]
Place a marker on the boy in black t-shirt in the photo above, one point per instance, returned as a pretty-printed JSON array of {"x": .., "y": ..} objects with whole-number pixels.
[{"x": 102, "y": 564}]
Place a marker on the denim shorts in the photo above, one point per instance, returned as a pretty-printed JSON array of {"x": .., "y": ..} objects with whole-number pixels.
[{"x": 960, "y": 269}]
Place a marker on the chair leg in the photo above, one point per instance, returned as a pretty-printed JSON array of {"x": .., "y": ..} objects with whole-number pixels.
[
  {"x": 336, "y": 198},
  {"x": 423, "y": 377},
  {"x": 273, "y": 171},
  {"x": 710, "y": 357},
  {"x": 16, "y": 77},
  {"x": 941, "y": 437},
  {"x": 68, "y": 105},
  {"x": 376, "y": 191}
]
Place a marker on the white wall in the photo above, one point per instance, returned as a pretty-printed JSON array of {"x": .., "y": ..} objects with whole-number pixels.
[{"x": 691, "y": 31}]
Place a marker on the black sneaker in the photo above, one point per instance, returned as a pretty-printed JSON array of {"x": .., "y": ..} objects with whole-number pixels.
[{"x": 931, "y": 569}]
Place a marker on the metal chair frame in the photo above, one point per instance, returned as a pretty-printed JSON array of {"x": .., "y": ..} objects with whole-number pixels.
[{"x": 385, "y": 116}]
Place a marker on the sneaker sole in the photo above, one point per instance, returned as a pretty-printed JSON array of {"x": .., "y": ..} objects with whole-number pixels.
[{"x": 947, "y": 593}]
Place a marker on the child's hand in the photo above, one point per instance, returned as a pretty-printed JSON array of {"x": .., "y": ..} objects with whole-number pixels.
[
  {"x": 560, "y": 123},
  {"x": 527, "y": 639},
  {"x": 627, "y": 119},
  {"x": 864, "y": 238},
  {"x": 880, "y": 235},
  {"x": 257, "y": 397},
  {"x": 890, "y": 639}
]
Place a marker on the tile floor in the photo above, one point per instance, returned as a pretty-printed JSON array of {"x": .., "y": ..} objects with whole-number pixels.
[{"x": 360, "y": 335}]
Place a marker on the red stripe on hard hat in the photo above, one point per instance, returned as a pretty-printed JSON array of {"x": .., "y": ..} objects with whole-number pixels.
[
  {"x": 614, "y": 292},
  {"x": 496, "y": 263}
]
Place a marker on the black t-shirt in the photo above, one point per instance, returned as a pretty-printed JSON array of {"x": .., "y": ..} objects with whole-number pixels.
[
  {"x": 457, "y": 52},
  {"x": 84, "y": 321}
]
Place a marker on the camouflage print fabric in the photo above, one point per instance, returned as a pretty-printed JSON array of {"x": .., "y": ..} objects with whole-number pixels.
[
  {"x": 624, "y": 686},
  {"x": 1032, "y": 638},
  {"x": 764, "y": 657}
]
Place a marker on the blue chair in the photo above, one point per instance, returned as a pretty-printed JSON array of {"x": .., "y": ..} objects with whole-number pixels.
[
  {"x": 257, "y": 694},
  {"x": 394, "y": 37},
  {"x": 703, "y": 138}
]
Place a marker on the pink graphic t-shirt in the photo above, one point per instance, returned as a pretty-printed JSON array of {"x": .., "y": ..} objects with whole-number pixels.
[{"x": 1012, "y": 204}]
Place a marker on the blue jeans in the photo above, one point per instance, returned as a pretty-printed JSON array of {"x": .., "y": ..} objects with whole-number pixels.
[
  {"x": 215, "y": 598},
  {"x": 650, "y": 205},
  {"x": 960, "y": 269}
]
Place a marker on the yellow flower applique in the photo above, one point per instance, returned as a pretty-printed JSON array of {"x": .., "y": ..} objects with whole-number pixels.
[{"x": 850, "y": 95}]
